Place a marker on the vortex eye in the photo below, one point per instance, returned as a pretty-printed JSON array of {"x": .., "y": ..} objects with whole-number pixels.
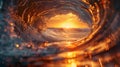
[{"x": 62, "y": 27}]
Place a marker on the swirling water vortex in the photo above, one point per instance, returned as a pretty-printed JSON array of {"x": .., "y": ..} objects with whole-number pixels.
[{"x": 99, "y": 14}]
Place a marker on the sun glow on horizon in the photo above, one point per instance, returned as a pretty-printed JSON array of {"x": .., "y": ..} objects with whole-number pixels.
[
  {"x": 68, "y": 25},
  {"x": 69, "y": 20}
]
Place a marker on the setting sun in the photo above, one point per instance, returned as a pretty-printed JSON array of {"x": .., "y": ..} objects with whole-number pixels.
[
  {"x": 69, "y": 20},
  {"x": 68, "y": 25}
]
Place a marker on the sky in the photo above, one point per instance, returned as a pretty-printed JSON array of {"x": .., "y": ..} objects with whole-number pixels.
[{"x": 68, "y": 20}]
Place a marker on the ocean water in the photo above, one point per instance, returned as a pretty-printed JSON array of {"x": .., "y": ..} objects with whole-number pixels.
[{"x": 63, "y": 34}]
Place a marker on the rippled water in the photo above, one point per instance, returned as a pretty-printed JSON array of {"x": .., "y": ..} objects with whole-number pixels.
[{"x": 25, "y": 39}]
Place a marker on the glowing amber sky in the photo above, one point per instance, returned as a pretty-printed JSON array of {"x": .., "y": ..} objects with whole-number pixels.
[{"x": 69, "y": 20}]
